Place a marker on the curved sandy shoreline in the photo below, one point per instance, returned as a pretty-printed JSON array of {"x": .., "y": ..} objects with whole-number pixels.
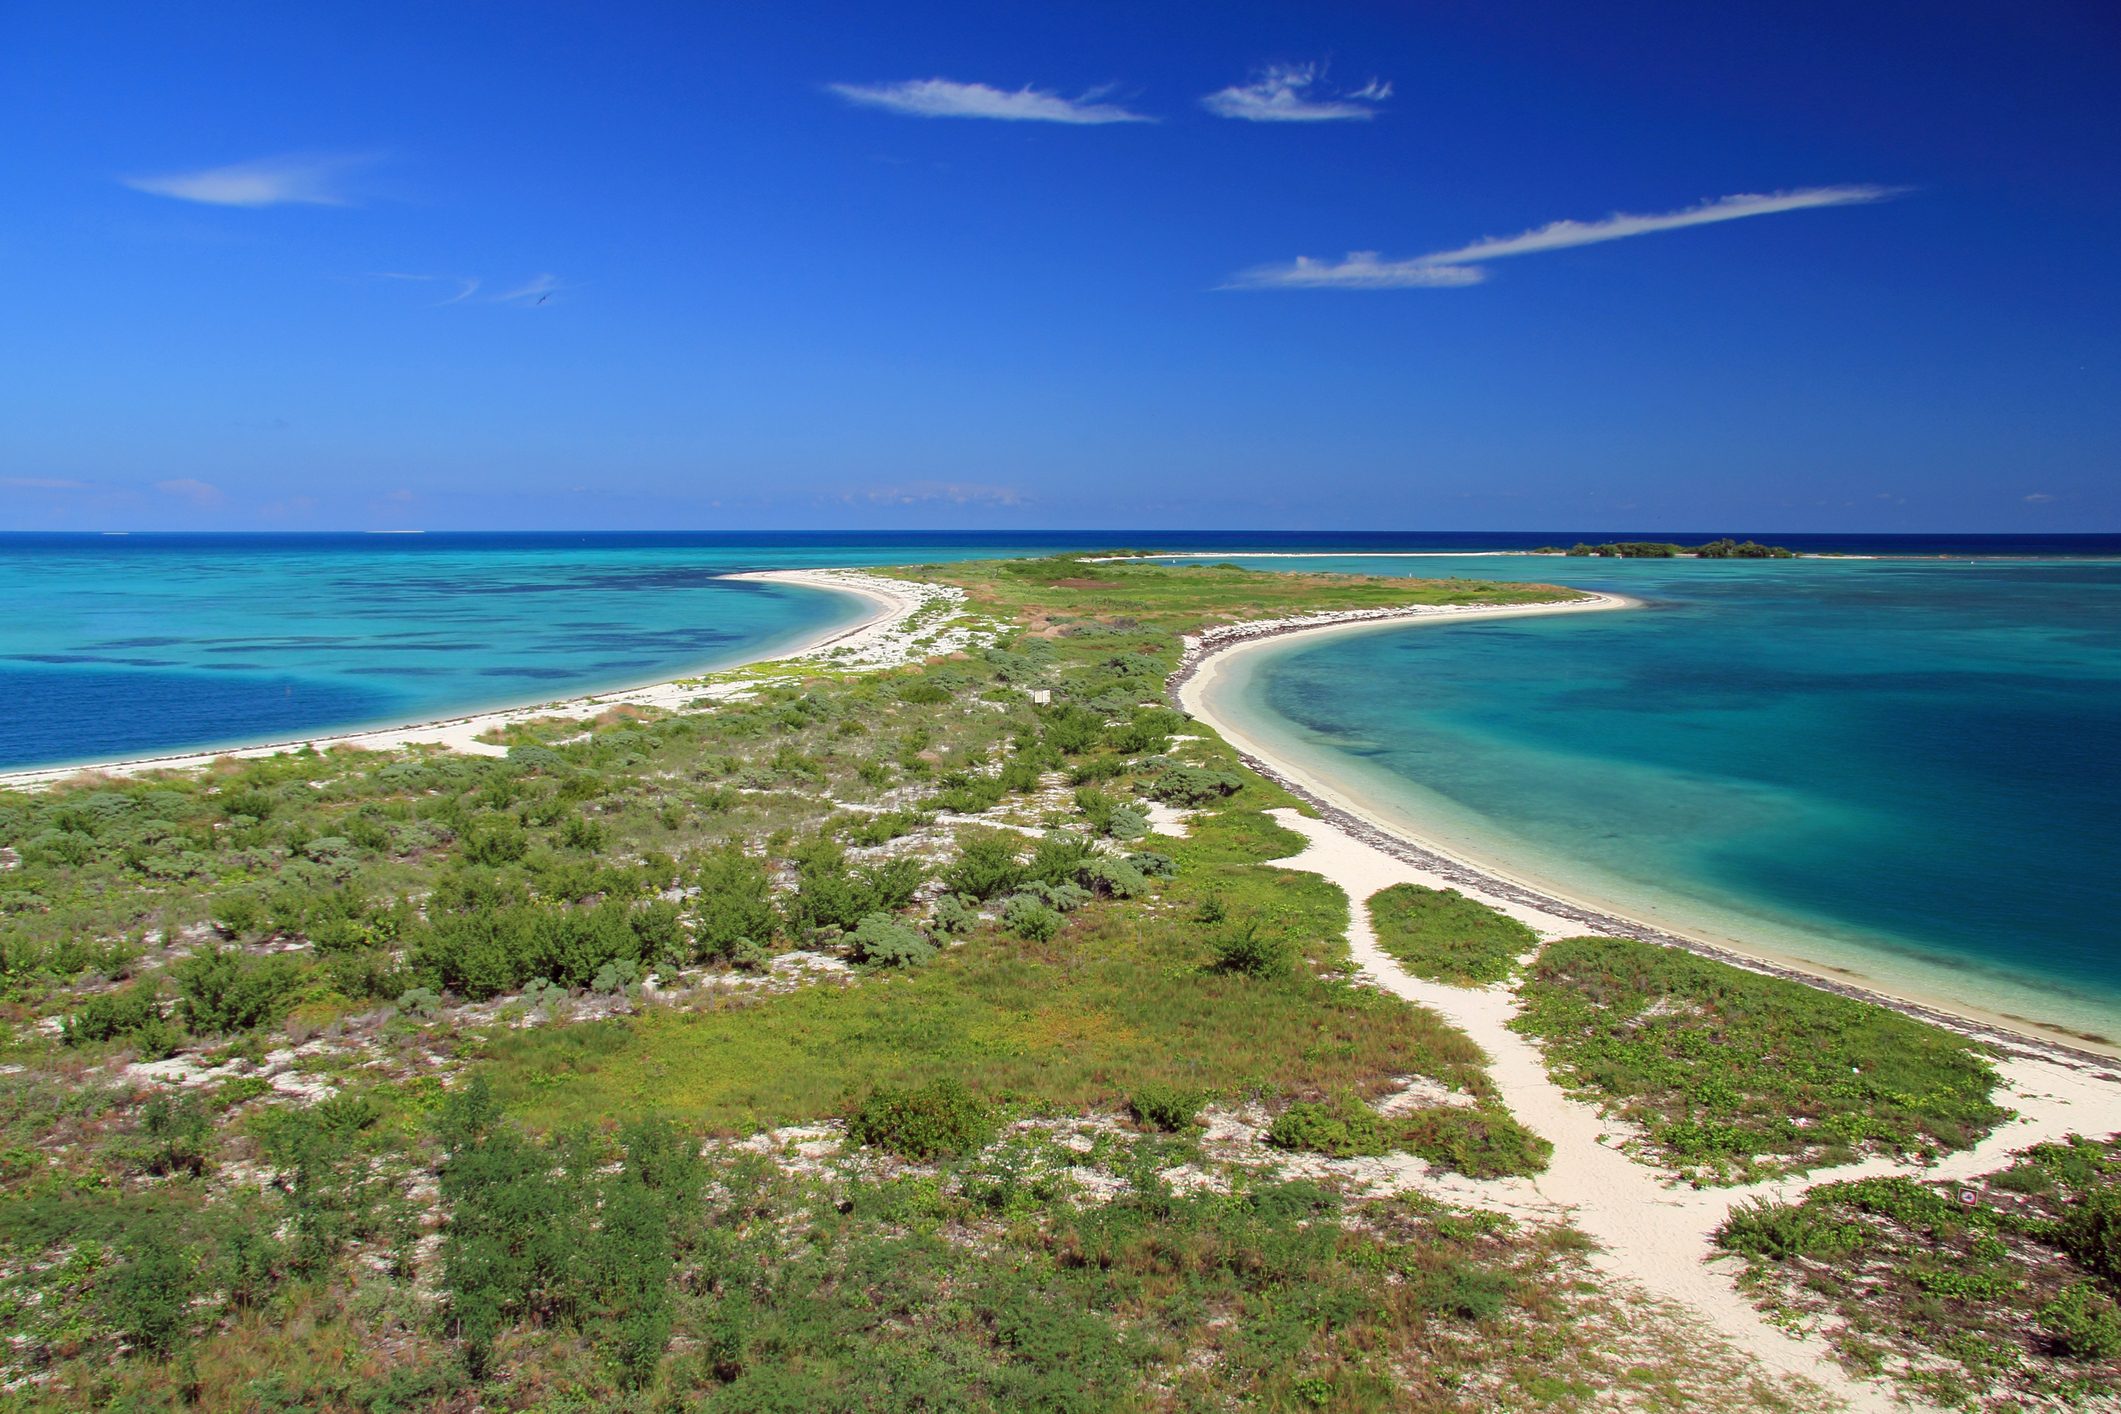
[
  {"x": 1190, "y": 689},
  {"x": 891, "y": 603}
]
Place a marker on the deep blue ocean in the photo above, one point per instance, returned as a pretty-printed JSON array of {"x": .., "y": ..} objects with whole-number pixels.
[{"x": 1905, "y": 765}]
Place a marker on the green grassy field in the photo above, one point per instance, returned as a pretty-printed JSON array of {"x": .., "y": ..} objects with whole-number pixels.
[{"x": 444, "y": 1147}]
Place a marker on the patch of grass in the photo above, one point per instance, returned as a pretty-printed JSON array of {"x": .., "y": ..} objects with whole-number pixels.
[
  {"x": 1733, "y": 1075},
  {"x": 1982, "y": 1290},
  {"x": 1442, "y": 935},
  {"x": 1480, "y": 1141},
  {"x": 1123, "y": 998}
]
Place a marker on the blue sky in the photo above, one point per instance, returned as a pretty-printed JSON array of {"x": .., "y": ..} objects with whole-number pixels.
[{"x": 1755, "y": 267}]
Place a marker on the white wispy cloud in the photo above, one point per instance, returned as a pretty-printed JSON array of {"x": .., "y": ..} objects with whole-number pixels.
[
  {"x": 1366, "y": 270},
  {"x": 536, "y": 290},
  {"x": 1284, "y": 93},
  {"x": 467, "y": 285},
  {"x": 268, "y": 181},
  {"x": 937, "y": 493},
  {"x": 946, "y": 98},
  {"x": 42, "y": 483},
  {"x": 199, "y": 493}
]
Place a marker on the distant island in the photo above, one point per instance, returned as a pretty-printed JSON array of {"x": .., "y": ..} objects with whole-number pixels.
[{"x": 1724, "y": 549}]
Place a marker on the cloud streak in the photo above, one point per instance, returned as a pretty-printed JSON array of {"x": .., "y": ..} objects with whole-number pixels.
[
  {"x": 937, "y": 493},
  {"x": 946, "y": 98},
  {"x": 199, "y": 493},
  {"x": 1282, "y": 93},
  {"x": 1366, "y": 270},
  {"x": 534, "y": 291},
  {"x": 268, "y": 181}
]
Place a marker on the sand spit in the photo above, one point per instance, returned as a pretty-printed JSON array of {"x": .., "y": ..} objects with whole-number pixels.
[
  {"x": 906, "y": 623},
  {"x": 1189, "y": 691}
]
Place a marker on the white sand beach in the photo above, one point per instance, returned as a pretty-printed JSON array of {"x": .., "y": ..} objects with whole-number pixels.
[
  {"x": 1206, "y": 673},
  {"x": 1655, "y": 1234}
]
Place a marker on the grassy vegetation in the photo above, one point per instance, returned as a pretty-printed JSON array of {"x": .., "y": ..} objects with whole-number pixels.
[
  {"x": 1126, "y": 995},
  {"x": 827, "y": 937},
  {"x": 1444, "y": 936},
  {"x": 1732, "y": 1075},
  {"x": 380, "y": 1080},
  {"x": 1991, "y": 1294},
  {"x": 1480, "y": 1141}
]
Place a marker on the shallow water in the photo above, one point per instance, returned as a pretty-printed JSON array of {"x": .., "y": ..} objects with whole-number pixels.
[
  {"x": 139, "y": 645},
  {"x": 1903, "y": 767}
]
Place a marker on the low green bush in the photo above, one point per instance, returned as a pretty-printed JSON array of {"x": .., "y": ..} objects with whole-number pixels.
[
  {"x": 1480, "y": 1141},
  {"x": 1028, "y": 917},
  {"x": 936, "y": 1120},
  {"x": 107, "y": 1016},
  {"x": 1780, "y": 1231},
  {"x": 220, "y": 989},
  {"x": 880, "y": 940},
  {"x": 1247, "y": 950},
  {"x": 2083, "y": 1323},
  {"x": 986, "y": 865},
  {"x": 2091, "y": 1232},
  {"x": 1166, "y": 1107},
  {"x": 953, "y": 917}
]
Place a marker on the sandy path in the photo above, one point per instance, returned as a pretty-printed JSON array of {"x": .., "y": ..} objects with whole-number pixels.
[
  {"x": 884, "y": 637},
  {"x": 1655, "y": 1234}
]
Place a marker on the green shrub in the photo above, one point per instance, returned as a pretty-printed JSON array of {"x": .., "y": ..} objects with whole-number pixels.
[
  {"x": 220, "y": 989},
  {"x": 176, "y": 1135},
  {"x": 1194, "y": 786},
  {"x": 1027, "y": 917},
  {"x": 1480, "y": 1141},
  {"x": 147, "y": 1297},
  {"x": 1345, "y": 1129},
  {"x": 734, "y": 902},
  {"x": 2083, "y": 1323},
  {"x": 986, "y": 865},
  {"x": 495, "y": 842},
  {"x": 2090, "y": 1231},
  {"x": 110, "y": 1015},
  {"x": 1780, "y": 1231},
  {"x": 1116, "y": 877},
  {"x": 1127, "y": 822},
  {"x": 420, "y": 1002},
  {"x": 880, "y": 940},
  {"x": 953, "y": 917},
  {"x": 1167, "y": 1107},
  {"x": 1059, "y": 857},
  {"x": 1246, "y": 950},
  {"x": 831, "y": 895},
  {"x": 936, "y": 1120},
  {"x": 238, "y": 913},
  {"x": 1459, "y": 1288}
]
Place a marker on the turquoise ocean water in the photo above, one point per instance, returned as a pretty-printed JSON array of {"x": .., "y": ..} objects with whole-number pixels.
[
  {"x": 1903, "y": 766},
  {"x": 1906, "y": 768}
]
